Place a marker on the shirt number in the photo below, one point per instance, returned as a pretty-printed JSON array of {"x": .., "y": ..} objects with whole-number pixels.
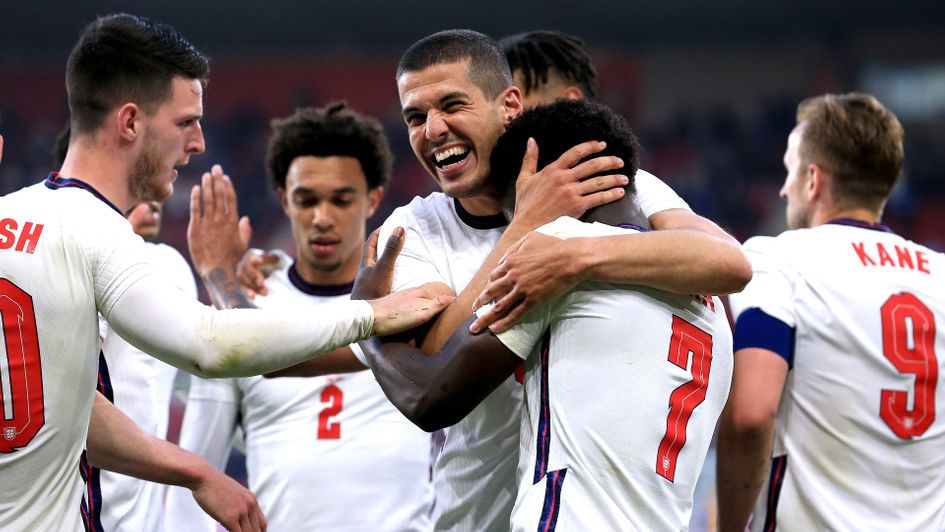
[
  {"x": 688, "y": 341},
  {"x": 22, "y": 412}
]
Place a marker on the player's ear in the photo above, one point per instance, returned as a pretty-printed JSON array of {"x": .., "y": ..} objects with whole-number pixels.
[
  {"x": 375, "y": 195},
  {"x": 511, "y": 99},
  {"x": 817, "y": 180},
  {"x": 128, "y": 118},
  {"x": 572, "y": 92},
  {"x": 284, "y": 201}
]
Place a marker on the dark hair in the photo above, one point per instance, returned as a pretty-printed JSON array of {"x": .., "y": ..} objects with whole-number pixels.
[
  {"x": 557, "y": 127},
  {"x": 487, "y": 66},
  {"x": 857, "y": 141},
  {"x": 538, "y": 54},
  {"x": 61, "y": 146},
  {"x": 126, "y": 58},
  {"x": 333, "y": 130}
]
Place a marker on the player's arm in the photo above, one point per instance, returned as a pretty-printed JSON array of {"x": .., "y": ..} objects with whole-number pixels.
[
  {"x": 559, "y": 189},
  {"x": 686, "y": 254},
  {"x": 746, "y": 433},
  {"x": 210, "y": 421},
  {"x": 438, "y": 390},
  {"x": 242, "y": 342},
  {"x": 115, "y": 443}
]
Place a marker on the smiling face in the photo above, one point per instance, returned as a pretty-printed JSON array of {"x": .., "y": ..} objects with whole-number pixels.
[
  {"x": 453, "y": 126},
  {"x": 794, "y": 190},
  {"x": 171, "y": 134},
  {"x": 327, "y": 202}
]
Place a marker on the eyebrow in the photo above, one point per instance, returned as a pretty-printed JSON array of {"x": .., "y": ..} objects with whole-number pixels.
[
  {"x": 308, "y": 191},
  {"x": 443, "y": 99}
]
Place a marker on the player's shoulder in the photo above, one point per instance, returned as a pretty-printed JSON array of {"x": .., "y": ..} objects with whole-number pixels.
[
  {"x": 569, "y": 227},
  {"x": 426, "y": 207}
]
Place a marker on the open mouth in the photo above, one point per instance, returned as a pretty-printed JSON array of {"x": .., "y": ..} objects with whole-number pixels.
[{"x": 450, "y": 157}]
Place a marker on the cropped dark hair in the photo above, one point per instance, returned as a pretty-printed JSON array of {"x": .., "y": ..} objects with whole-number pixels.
[
  {"x": 487, "y": 66},
  {"x": 557, "y": 127},
  {"x": 126, "y": 58},
  {"x": 857, "y": 141},
  {"x": 333, "y": 130},
  {"x": 538, "y": 54}
]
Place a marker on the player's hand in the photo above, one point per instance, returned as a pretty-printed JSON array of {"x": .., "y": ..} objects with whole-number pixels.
[
  {"x": 216, "y": 236},
  {"x": 534, "y": 270},
  {"x": 253, "y": 269},
  {"x": 229, "y": 503},
  {"x": 403, "y": 310},
  {"x": 562, "y": 187}
]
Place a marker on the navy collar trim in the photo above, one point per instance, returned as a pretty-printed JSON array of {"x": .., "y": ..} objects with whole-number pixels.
[
  {"x": 492, "y": 221},
  {"x": 54, "y": 182},
  {"x": 627, "y": 225},
  {"x": 861, "y": 224},
  {"x": 325, "y": 290}
]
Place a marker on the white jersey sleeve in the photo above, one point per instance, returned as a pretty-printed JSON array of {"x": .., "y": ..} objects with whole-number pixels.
[
  {"x": 771, "y": 289},
  {"x": 652, "y": 195},
  {"x": 210, "y": 421},
  {"x": 239, "y": 342},
  {"x": 413, "y": 266}
]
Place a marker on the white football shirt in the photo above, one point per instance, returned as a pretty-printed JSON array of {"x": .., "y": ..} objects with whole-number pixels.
[
  {"x": 140, "y": 385},
  {"x": 857, "y": 441},
  {"x": 322, "y": 453},
  {"x": 69, "y": 255},
  {"x": 623, "y": 389},
  {"x": 474, "y": 476}
]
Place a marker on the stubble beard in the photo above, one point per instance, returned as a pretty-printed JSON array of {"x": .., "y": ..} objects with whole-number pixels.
[{"x": 145, "y": 182}]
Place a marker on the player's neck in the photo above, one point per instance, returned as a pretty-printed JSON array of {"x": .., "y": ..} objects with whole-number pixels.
[
  {"x": 482, "y": 205},
  {"x": 823, "y": 216},
  {"x": 617, "y": 212},
  {"x": 101, "y": 169}
]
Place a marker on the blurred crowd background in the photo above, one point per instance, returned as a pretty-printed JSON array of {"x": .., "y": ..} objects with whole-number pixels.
[{"x": 709, "y": 90}]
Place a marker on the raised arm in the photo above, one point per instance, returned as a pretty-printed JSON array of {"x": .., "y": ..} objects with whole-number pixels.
[
  {"x": 115, "y": 443},
  {"x": 438, "y": 390}
]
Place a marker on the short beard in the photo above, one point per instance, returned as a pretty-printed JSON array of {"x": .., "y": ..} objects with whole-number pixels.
[{"x": 144, "y": 182}]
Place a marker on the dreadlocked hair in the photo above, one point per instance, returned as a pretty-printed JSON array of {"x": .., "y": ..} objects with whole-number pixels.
[{"x": 536, "y": 53}]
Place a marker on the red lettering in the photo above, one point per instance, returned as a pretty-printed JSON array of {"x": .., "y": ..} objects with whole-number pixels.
[
  {"x": 884, "y": 258},
  {"x": 922, "y": 262},
  {"x": 861, "y": 253},
  {"x": 29, "y": 236},
  {"x": 7, "y": 226},
  {"x": 905, "y": 258}
]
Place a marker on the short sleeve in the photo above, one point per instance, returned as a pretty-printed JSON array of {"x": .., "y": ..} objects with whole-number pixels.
[
  {"x": 771, "y": 289},
  {"x": 522, "y": 337},
  {"x": 413, "y": 267},
  {"x": 652, "y": 195}
]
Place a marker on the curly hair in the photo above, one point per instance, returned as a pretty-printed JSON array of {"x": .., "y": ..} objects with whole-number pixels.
[
  {"x": 557, "y": 127},
  {"x": 538, "y": 54},
  {"x": 333, "y": 130}
]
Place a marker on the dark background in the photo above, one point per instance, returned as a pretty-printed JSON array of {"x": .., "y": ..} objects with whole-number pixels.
[{"x": 710, "y": 90}]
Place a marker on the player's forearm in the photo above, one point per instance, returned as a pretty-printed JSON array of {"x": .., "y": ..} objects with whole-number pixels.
[
  {"x": 224, "y": 289},
  {"x": 679, "y": 261},
  {"x": 233, "y": 343},
  {"x": 461, "y": 308},
  {"x": 116, "y": 444},
  {"x": 338, "y": 361},
  {"x": 744, "y": 457},
  {"x": 436, "y": 391}
]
